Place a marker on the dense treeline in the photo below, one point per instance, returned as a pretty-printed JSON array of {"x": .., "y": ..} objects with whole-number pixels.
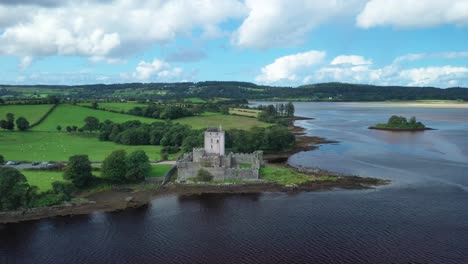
[
  {"x": 279, "y": 113},
  {"x": 175, "y": 137},
  {"x": 400, "y": 122},
  {"x": 245, "y": 90}
]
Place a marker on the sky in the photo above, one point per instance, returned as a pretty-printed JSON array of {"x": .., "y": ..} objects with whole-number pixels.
[{"x": 272, "y": 42}]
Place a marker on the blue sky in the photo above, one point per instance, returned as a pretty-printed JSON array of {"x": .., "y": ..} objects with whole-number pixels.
[{"x": 276, "y": 42}]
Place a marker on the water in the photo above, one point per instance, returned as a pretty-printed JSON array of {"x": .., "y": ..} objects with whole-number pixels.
[{"x": 421, "y": 217}]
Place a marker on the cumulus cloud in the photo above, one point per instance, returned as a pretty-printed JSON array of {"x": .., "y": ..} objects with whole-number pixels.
[
  {"x": 108, "y": 29},
  {"x": 357, "y": 69},
  {"x": 288, "y": 68},
  {"x": 413, "y": 13},
  {"x": 155, "y": 70},
  {"x": 284, "y": 22},
  {"x": 447, "y": 75}
]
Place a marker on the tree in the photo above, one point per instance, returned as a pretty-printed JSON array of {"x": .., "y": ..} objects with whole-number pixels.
[
  {"x": 22, "y": 123},
  {"x": 10, "y": 122},
  {"x": 15, "y": 192},
  {"x": 3, "y": 124},
  {"x": 2, "y": 160},
  {"x": 91, "y": 123},
  {"x": 114, "y": 167},
  {"x": 69, "y": 129},
  {"x": 289, "y": 108},
  {"x": 138, "y": 166},
  {"x": 59, "y": 128},
  {"x": 78, "y": 170},
  {"x": 94, "y": 105},
  {"x": 66, "y": 189}
]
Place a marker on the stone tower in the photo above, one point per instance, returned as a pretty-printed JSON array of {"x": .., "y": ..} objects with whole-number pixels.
[{"x": 214, "y": 141}]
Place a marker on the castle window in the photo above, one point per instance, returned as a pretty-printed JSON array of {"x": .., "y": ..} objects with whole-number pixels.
[
  {"x": 217, "y": 141},
  {"x": 211, "y": 146}
]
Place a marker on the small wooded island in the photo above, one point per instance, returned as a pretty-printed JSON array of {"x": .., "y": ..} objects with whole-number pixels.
[{"x": 400, "y": 123}]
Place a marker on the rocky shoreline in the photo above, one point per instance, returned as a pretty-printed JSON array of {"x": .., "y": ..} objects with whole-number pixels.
[{"x": 120, "y": 198}]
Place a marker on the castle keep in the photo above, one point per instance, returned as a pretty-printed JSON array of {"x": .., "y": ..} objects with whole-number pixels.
[{"x": 212, "y": 158}]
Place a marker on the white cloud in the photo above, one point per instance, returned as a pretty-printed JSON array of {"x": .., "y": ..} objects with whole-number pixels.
[
  {"x": 413, "y": 13},
  {"x": 108, "y": 29},
  {"x": 285, "y": 22},
  {"x": 288, "y": 68},
  {"x": 156, "y": 70},
  {"x": 293, "y": 70},
  {"x": 25, "y": 62},
  {"x": 445, "y": 76},
  {"x": 350, "y": 59}
]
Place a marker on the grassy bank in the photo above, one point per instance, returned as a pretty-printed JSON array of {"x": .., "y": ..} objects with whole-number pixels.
[{"x": 287, "y": 176}]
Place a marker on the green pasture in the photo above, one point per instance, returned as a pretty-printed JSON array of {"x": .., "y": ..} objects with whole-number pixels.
[
  {"x": 73, "y": 115},
  {"x": 194, "y": 100},
  {"x": 31, "y": 112},
  {"x": 209, "y": 119},
  {"x": 43, "y": 179},
  {"x": 55, "y": 146}
]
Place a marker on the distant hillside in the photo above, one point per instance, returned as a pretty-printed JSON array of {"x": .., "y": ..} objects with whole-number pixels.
[{"x": 235, "y": 90}]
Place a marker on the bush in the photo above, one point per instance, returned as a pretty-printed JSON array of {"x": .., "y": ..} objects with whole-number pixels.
[
  {"x": 22, "y": 124},
  {"x": 78, "y": 171},
  {"x": 204, "y": 176},
  {"x": 63, "y": 188},
  {"x": 114, "y": 167},
  {"x": 138, "y": 166},
  {"x": 2, "y": 160},
  {"x": 15, "y": 192}
]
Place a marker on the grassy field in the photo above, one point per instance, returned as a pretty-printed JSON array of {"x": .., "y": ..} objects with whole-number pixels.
[
  {"x": 43, "y": 179},
  {"x": 160, "y": 170},
  {"x": 54, "y": 146},
  {"x": 72, "y": 115},
  {"x": 244, "y": 112},
  {"x": 31, "y": 112},
  {"x": 285, "y": 176},
  {"x": 117, "y": 106},
  {"x": 194, "y": 100},
  {"x": 216, "y": 119}
]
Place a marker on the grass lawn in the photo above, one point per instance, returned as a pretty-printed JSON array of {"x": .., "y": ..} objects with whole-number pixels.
[
  {"x": 55, "y": 146},
  {"x": 160, "y": 170},
  {"x": 194, "y": 100},
  {"x": 73, "y": 115},
  {"x": 117, "y": 106},
  {"x": 215, "y": 119},
  {"x": 43, "y": 179},
  {"x": 31, "y": 112},
  {"x": 285, "y": 176}
]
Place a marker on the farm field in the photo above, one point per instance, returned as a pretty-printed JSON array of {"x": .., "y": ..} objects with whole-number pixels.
[
  {"x": 244, "y": 112},
  {"x": 31, "y": 112},
  {"x": 55, "y": 146},
  {"x": 43, "y": 179},
  {"x": 72, "y": 115},
  {"x": 226, "y": 121},
  {"x": 116, "y": 106}
]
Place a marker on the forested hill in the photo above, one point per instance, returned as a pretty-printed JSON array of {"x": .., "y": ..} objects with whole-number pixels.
[{"x": 236, "y": 90}]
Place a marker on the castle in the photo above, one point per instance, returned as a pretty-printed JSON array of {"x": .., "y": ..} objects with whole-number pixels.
[{"x": 212, "y": 158}]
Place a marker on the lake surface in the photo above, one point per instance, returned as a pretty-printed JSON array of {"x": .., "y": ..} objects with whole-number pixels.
[{"x": 421, "y": 217}]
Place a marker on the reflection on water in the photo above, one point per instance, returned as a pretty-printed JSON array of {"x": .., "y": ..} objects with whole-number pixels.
[{"x": 421, "y": 217}]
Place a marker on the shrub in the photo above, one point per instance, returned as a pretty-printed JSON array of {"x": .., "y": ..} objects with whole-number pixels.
[
  {"x": 138, "y": 166},
  {"x": 114, "y": 167},
  {"x": 78, "y": 171},
  {"x": 204, "y": 176},
  {"x": 22, "y": 124}
]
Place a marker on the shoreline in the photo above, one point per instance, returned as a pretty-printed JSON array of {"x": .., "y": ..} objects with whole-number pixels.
[
  {"x": 117, "y": 200},
  {"x": 123, "y": 197}
]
